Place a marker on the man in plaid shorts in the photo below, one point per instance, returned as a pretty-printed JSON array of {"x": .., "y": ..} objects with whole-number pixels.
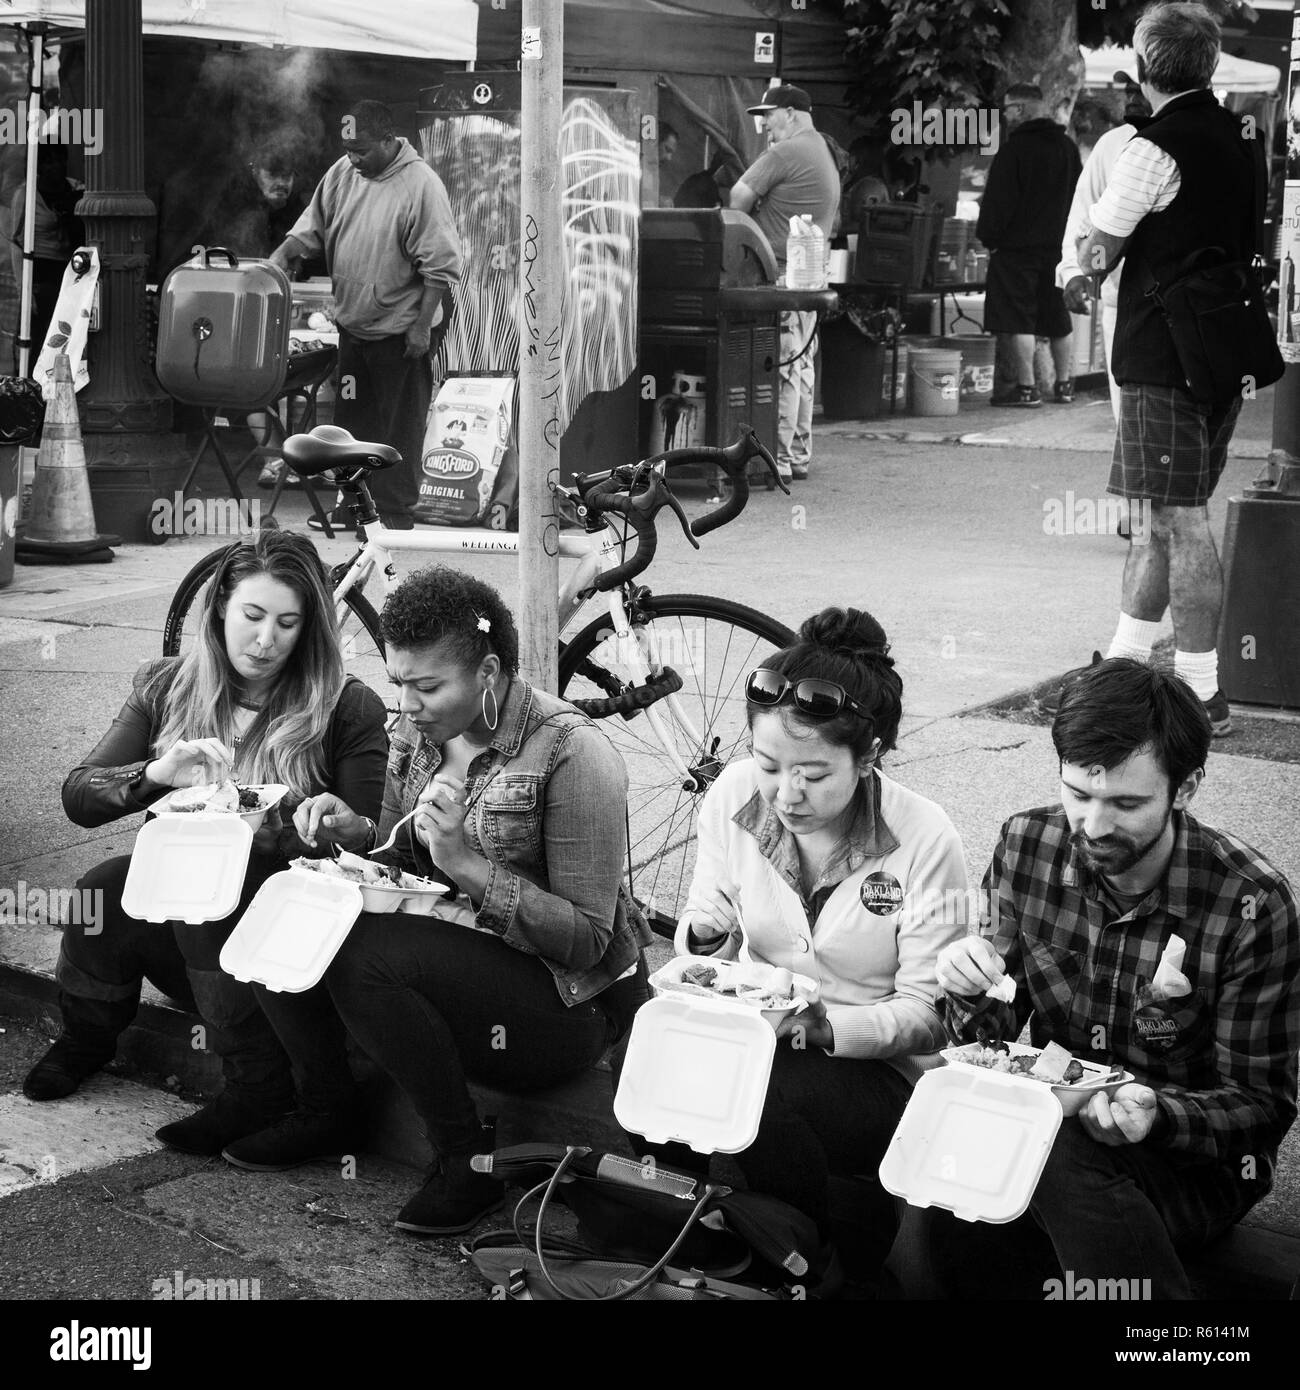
[
  {"x": 1137, "y": 937},
  {"x": 1184, "y": 183}
]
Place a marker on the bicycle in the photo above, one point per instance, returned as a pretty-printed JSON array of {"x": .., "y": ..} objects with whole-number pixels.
[{"x": 665, "y": 673}]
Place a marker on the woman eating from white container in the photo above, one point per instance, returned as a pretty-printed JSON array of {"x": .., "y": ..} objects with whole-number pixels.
[
  {"x": 260, "y": 697},
  {"x": 537, "y": 969},
  {"x": 815, "y": 862}
]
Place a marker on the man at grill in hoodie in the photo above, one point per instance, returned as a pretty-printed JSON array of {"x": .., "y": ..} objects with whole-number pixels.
[{"x": 383, "y": 222}]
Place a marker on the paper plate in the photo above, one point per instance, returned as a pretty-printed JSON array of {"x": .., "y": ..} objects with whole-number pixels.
[
  {"x": 696, "y": 1071},
  {"x": 187, "y": 868},
  {"x": 973, "y": 1142},
  {"x": 292, "y": 930}
]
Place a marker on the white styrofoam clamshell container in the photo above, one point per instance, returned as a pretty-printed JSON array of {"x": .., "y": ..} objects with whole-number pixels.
[
  {"x": 696, "y": 1071},
  {"x": 187, "y": 868},
  {"x": 972, "y": 1142},
  {"x": 292, "y": 930}
]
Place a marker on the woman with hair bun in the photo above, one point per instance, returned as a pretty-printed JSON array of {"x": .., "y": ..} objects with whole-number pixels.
[{"x": 816, "y": 862}]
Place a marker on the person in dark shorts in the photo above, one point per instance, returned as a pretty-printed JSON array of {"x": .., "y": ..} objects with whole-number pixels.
[
  {"x": 1182, "y": 183},
  {"x": 1022, "y": 220}
]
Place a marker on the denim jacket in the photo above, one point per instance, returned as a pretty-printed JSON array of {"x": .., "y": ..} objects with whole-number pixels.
[{"x": 546, "y": 808}]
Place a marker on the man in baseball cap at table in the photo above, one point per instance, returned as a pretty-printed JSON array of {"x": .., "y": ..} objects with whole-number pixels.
[{"x": 795, "y": 175}]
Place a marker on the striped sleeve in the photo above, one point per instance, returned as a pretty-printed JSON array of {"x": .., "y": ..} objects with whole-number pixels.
[{"x": 1145, "y": 179}]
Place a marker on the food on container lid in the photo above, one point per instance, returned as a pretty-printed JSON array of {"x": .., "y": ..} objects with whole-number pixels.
[
  {"x": 1051, "y": 1064},
  {"x": 702, "y": 975},
  {"x": 210, "y": 796}
]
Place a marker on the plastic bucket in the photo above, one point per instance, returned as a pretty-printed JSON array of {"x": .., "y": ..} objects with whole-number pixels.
[
  {"x": 935, "y": 375},
  {"x": 977, "y": 352},
  {"x": 893, "y": 389}
]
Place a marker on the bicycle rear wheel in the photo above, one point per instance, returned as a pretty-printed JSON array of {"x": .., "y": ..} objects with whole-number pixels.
[
  {"x": 712, "y": 644},
  {"x": 363, "y": 648}
]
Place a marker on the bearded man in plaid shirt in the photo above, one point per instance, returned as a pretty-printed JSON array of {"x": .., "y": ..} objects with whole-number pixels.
[{"x": 1087, "y": 903}]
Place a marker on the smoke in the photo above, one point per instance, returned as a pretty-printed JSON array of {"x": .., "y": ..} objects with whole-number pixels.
[{"x": 267, "y": 97}]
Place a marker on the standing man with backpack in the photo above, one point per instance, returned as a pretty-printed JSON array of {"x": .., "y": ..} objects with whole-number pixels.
[{"x": 1186, "y": 182}]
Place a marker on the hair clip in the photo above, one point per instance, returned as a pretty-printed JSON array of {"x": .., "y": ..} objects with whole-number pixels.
[{"x": 484, "y": 624}]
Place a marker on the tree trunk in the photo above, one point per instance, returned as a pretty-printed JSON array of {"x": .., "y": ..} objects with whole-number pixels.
[{"x": 1042, "y": 46}]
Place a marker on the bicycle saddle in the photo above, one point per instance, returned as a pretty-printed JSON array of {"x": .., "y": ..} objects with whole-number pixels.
[{"x": 331, "y": 446}]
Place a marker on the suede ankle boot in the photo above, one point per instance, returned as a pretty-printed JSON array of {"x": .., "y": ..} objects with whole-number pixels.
[
  {"x": 219, "y": 1123},
  {"x": 454, "y": 1197},
  {"x": 87, "y": 1041}
]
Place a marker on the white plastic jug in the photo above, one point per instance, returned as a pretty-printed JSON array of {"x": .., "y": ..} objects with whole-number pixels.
[{"x": 805, "y": 255}]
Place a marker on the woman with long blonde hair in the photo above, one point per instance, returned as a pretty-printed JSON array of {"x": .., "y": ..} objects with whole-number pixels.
[{"x": 260, "y": 697}]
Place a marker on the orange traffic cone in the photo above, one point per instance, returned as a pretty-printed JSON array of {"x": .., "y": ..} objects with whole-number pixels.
[{"x": 60, "y": 525}]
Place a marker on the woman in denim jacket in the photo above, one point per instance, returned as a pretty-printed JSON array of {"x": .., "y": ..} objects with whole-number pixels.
[{"x": 538, "y": 968}]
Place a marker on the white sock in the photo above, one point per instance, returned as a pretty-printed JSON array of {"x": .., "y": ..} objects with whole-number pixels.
[
  {"x": 1200, "y": 670},
  {"x": 1133, "y": 637}
]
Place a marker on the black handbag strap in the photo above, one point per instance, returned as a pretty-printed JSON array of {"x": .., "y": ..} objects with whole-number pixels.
[
  {"x": 652, "y": 1272},
  {"x": 1256, "y": 254}
]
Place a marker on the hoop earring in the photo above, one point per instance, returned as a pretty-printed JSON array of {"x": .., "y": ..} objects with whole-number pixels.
[{"x": 496, "y": 709}]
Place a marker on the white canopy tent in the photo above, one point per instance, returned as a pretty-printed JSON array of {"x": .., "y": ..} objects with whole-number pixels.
[
  {"x": 440, "y": 29},
  {"x": 1233, "y": 75},
  {"x": 445, "y": 29}
]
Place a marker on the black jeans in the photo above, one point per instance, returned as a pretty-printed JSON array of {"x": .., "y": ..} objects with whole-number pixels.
[
  {"x": 1098, "y": 1213},
  {"x": 383, "y": 398},
  {"x": 435, "y": 1004},
  {"x": 111, "y": 958}
]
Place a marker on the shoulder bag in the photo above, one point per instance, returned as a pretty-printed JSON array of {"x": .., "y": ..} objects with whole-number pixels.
[{"x": 1218, "y": 320}]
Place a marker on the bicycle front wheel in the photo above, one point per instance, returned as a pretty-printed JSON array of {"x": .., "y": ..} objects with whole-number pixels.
[
  {"x": 712, "y": 644},
  {"x": 363, "y": 648}
]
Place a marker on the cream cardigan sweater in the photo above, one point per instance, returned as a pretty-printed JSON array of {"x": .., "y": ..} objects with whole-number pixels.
[{"x": 900, "y": 895}]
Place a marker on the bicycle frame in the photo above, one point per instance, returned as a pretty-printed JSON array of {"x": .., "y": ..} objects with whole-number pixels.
[{"x": 596, "y": 553}]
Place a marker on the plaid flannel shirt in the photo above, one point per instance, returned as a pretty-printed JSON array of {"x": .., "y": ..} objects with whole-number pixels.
[{"x": 1221, "y": 1060}]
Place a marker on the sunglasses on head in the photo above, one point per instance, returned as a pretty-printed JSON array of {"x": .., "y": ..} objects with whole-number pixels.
[{"x": 818, "y": 698}]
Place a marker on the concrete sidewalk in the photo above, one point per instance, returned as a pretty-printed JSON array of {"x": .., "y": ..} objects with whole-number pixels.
[{"x": 1086, "y": 426}]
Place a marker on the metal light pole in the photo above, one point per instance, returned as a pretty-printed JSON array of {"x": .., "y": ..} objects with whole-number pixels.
[
  {"x": 541, "y": 355},
  {"x": 131, "y": 453}
]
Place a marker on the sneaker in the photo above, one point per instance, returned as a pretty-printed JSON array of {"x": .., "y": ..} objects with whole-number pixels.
[
  {"x": 208, "y": 1131},
  {"x": 1063, "y": 393},
  {"x": 1050, "y": 702},
  {"x": 64, "y": 1067},
  {"x": 453, "y": 1199},
  {"x": 1216, "y": 708},
  {"x": 798, "y": 470},
  {"x": 301, "y": 1137},
  {"x": 1024, "y": 396},
  {"x": 341, "y": 520},
  {"x": 272, "y": 471}
]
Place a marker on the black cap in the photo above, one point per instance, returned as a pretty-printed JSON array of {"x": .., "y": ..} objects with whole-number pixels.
[{"x": 776, "y": 98}]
